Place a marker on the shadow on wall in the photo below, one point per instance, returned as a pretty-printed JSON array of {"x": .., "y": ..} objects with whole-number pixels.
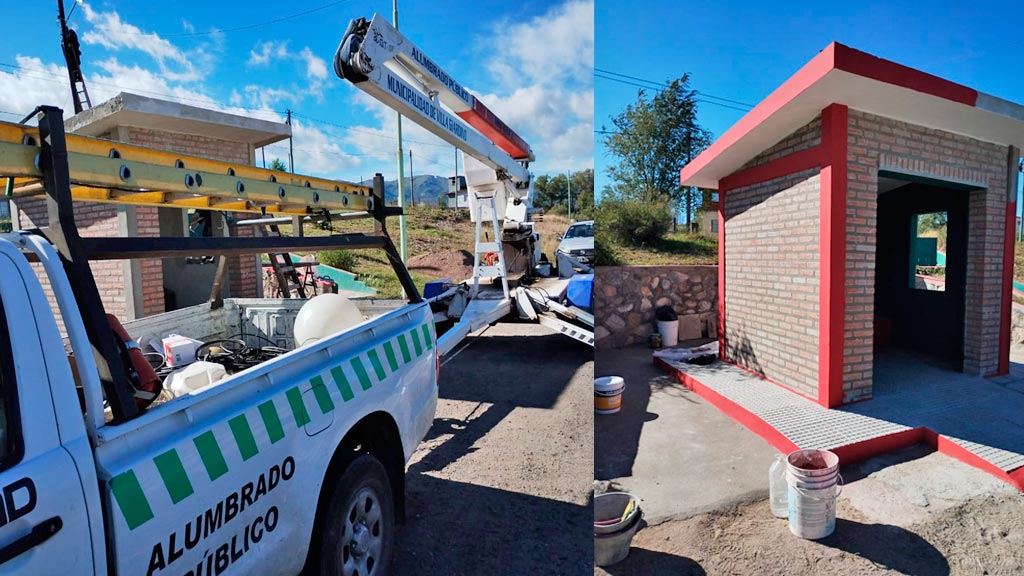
[{"x": 739, "y": 350}]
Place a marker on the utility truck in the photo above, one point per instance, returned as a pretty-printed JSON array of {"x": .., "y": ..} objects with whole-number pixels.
[{"x": 289, "y": 464}]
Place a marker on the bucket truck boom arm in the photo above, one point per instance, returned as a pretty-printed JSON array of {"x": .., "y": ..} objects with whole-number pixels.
[{"x": 378, "y": 60}]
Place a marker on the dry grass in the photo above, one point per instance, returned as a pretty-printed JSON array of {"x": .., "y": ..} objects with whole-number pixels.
[{"x": 429, "y": 230}]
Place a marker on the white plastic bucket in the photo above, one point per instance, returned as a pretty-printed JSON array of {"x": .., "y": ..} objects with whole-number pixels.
[
  {"x": 813, "y": 483},
  {"x": 608, "y": 394},
  {"x": 611, "y": 542},
  {"x": 669, "y": 330}
]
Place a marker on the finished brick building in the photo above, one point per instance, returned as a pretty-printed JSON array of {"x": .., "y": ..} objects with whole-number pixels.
[{"x": 821, "y": 190}]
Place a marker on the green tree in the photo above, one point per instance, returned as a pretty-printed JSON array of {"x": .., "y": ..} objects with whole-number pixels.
[
  {"x": 552, "y": 193},
  {"x": 653, "y": 139},
  {"x": 277, "y": 164}
]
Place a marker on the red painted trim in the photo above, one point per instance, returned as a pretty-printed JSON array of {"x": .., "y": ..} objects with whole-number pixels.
[
  {"x": 954, "y": 450},
  {"x": 732, "y": 409},
  {"x": 804, "y": 78},
  {"x": 791, "y": 164},
  {"x": 835, "y": 56},
  {"x": 768, "y": 380},
  {"x": 850, "y": 453},
  {"x": 859, "y": 451},
  {"x": 832, "y": 257},
  {"x": 1007, "y": 299},
  {"x": 721, "y": 274},
  {"x": 869, "y": 66}
]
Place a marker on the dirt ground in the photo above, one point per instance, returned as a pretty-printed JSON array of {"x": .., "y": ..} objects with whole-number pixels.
[
  {"x": 502, "y": 483},
  {"x": 456, "y": 265},
  {"x": 984, "y": 535}
]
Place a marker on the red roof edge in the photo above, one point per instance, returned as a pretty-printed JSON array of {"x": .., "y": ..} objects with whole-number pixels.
[
  {"x": 835, "y": 56},
  {"x": 811, "y": 72},
  {"x": 869, "y": 66}
]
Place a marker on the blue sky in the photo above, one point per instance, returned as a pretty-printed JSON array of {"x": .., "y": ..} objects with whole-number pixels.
[
  {"x": 530, "y": 62},
  {"x": 744, "y": 50}
]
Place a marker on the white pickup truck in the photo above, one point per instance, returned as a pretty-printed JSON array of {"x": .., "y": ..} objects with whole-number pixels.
[{"x": 292, "y": 465}]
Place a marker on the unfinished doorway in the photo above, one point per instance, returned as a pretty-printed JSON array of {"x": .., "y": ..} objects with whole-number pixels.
[{"x": 921, "y": 268}]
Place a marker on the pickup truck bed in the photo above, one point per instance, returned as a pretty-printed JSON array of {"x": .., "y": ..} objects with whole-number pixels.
[{"x": 253, "y": 318}]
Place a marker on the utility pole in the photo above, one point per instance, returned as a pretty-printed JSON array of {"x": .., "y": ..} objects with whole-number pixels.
[
  {"x": 401, "y": 169},
  {"x": 291, "y": 156},
  {"x": 412, "y": 181},
  {"x": 73, "y": 58},
  {"x": 689, "y": 189},
  {"x": 568, "y": 187}
]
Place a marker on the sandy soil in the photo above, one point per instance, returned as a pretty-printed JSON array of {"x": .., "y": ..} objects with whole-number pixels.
[
  {"x": 501, "y": 484},
  {"x": 984, "y": 535},
  {"x": 454, "y": 264}
]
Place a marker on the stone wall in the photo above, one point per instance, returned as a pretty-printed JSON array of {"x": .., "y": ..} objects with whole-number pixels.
[{"x": 625, "y": 298}]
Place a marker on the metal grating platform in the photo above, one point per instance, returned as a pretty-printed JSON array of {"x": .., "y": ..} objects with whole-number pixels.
[{"x": 982, "y": 416}]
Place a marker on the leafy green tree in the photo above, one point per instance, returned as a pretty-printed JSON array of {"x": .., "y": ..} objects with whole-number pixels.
[
  {"x": 552, "y": 193},
  {"x": 277, "y": 164},
  {"x": 653, "y": 139}
]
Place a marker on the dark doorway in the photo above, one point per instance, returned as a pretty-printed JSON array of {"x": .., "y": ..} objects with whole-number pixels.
[{"x": 921, "y": 269}]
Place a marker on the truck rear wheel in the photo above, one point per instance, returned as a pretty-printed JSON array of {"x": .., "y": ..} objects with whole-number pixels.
[{"x": 358, "y": 534}]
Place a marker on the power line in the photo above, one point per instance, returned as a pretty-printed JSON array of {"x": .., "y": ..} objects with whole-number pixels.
[
  {"x": 357, "y": 129},
  {"x": 663, "y": 84},
  {"x": 704, "y": 100}
]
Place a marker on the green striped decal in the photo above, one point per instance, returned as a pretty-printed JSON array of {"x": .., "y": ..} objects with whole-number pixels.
[
  {"x": 131, "y": 499},
  {"x": 298, "y": 408},
  {"x": 416, "y": 343},
  {"x": 212, "y": 457},
  {"x": 364, "y": 378},
  {"x": 389, "y": 351},
  {"x": 323, "y": 397},
  {"x": 173, "y": 474},
  {"x": 378, "y": 368},
  {"x": 243, "y": 436},
  {"x": 180, "y": 479},
  {"x": 405, "y": 348},
  {"x": 426, "y": 337},
  {"x": 272, "y": 421},
  {"x": 342, "y": 383}
]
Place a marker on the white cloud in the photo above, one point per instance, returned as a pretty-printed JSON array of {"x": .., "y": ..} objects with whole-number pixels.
[
  {"x": 113, "y": 33},
  {"x": 261, "y": 55},
  {"x": 548, "y": 49},
  {"x": 316, "y": 68}
]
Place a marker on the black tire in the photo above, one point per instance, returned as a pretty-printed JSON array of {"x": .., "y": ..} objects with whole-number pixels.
[{"x": 358, "y": 530}]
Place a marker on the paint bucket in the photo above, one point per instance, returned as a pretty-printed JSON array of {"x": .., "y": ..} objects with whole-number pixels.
[
  {"x": 613, "y": 533},
  {"x": 608, "y": 394},
  {"x": 813, "y": 483},
  {"x": 669, "y": 330}
]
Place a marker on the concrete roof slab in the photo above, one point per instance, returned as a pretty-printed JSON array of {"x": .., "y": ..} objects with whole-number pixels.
[
  {"x": 843, "y": 75},
  {"x": 128, "y": 109}
]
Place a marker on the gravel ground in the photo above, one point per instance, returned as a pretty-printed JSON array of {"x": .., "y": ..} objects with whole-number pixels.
[
  {"x": 456, "y": 265},
  {"x": 502, "y": 484}
]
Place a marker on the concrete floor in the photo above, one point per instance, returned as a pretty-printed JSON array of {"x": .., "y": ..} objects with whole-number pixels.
[
  {"x": 671, "y": 448},
  {"x": 502, "y": 482}
]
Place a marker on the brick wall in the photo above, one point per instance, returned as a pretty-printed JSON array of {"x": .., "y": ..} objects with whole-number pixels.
[
  {"x": 113, "y": 277},
  {"x": 242, "y": 279},
  {"x": 95, "y": 220},
  {"x": 878, "y": 143},
  {"x": 625, "y": 298},
  {"x": 772, "y": 277}
]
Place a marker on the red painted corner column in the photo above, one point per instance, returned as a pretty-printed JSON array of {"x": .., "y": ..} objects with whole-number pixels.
[
  {"x": 832, "y": 256},
  {"x": 1006, "y": 306}
]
